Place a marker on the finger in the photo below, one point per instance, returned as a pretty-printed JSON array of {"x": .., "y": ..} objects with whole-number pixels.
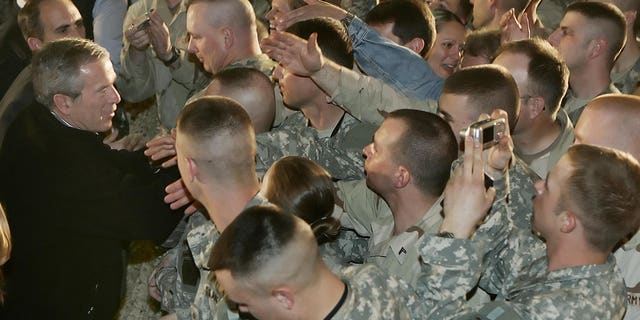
[
  {"x": 171, "y": 162},
  {"x": 312, "y": 44},
  {"x": 500, "y": 113},
  {"x": 467, "y": 164},
  {"x": 192, "y": 208},
  {"x": 111, "y": 137},
  {"x": 179, "y": 203},
  {"x": 478, "y": 161},
  {"x": 174, "y": 186}
]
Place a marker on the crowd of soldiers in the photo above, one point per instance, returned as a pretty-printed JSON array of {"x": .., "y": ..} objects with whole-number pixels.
[{"x": 303, "y": 159}]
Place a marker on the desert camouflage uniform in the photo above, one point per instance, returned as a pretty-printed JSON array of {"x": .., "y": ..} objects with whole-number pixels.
[
  {"x": 340, "y": 153},
  {"x": 627, "y": 80},
  {"x": 574, "y": 106},
  {"x": 369, "y": 215},
  {"x": 362, "y": 96},
  {"x": 172, "y": 87},
  {"x": 542, "y": 162}
]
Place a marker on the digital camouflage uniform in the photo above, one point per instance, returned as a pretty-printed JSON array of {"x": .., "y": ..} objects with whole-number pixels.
[
  {"x": 340, "y": 152},
  {"x": 369, "y": 215},
  {"x": 372, "y": 295},
  {"x": 574, "y": 106},
  {"x": 583, "y": 292},
  {"x": 628, "y": 259},
  {"x": 627, "y": 80},
  {"x": 197, "y": 301}
]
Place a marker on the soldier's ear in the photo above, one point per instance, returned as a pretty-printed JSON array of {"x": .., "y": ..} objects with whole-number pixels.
[
  {"x": 193, "y": 169},
  {"x": 284, "y": 297},
  {"x": 402, "y": 177},
  {"x": 568, "y": 221},
  {"x": 228, "y": 37}
]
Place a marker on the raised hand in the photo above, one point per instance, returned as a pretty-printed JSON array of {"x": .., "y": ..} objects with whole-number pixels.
[
  {"x": 466, "y": 201},
  {"x": 298, "y": 56},
  {"x": 313, "y": 9}
]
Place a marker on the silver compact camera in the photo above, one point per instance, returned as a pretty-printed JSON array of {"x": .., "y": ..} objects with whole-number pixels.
[{"x": 488, "y": 131}]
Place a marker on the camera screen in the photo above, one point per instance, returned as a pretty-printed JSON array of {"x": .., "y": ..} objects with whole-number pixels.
[{"x": 487, "y": 134}]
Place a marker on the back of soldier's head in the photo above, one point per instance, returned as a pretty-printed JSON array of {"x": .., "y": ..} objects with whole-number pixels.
[
  {"x": 236, "y": 14},
  {"x": 259, "y": 101},
  {"x": 426, "y": 139},
  {"x": 603, "y": 190},
  {"x": 333, "y": 40},
  {"x": 548, "y": 75},
  {"x": 480, "y": 47},
  {"x": 264, "y": 247},
  {"x": 487, "y": 87},
  {"x": 611, "y": 120},
  {"x": 411, "y": 19},
  {"x": 605, "y": 21},
  {"x": 304, "y": 188},
  {"x": 217, "y": 133}
]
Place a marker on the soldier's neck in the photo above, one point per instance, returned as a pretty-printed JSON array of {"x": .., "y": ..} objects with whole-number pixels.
[
  {"x": 408, "y": 207},
  {"x": 323, "y": 116}
]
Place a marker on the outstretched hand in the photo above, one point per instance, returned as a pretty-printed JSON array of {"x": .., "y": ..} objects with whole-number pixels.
[
  {"x": 313, "y": 9},
  {"x": 131, "y": 142},
  {"x": 303, "y": 58},
  {"x": 466, "y": 201},
  {"x": 513, "y": 28},
  {"x": 163, "y": 148},
  {"x": 178, "y": 196}
]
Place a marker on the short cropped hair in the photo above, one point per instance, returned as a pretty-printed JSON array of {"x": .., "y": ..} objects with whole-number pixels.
[
  {"x": 411, "y": 19},
  {"x": 605, "y": 20},
  {"x": 241, "y": 12},
  {"x": 604, "y": 187},
  {"x": 483, "y": 42},
  {"x": 258, "y": 234},
  {"x": 305, "y": 189},
  {"x": 56, "y": 68},
  {"x": 264, "y": 246},
  {"x": 487, "y": 87},
  {"x": 548, "y": 74},
  {"x": 427, "y": 139},
  {"x": 29, "y": 19},
  {"x": 333, "y": 39},
  {"x": 210, "y": 117}
]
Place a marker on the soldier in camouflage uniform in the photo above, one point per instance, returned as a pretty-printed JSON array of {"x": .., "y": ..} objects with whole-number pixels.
[
  {"x": 268, "y": 263},
  {"x": 396, "y": 212},
  {"x": 321, "y": 131},
  {"x": 576, "y": 278},
  {"x": 612, "y": 121},
  {"x": 626, "y": 72},
  {"x": 601, "y": 30},
  {"x": 222, "y": 178}
]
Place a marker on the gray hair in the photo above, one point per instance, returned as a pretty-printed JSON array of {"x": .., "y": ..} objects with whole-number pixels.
[{"x": 56, "y": 68}]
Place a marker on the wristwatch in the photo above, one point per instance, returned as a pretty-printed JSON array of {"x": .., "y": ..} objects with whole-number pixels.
[
  {"x": 175, "y": 55},
  {"x": 446, "y": 234},
  {"x": 346, "y": 21}
]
